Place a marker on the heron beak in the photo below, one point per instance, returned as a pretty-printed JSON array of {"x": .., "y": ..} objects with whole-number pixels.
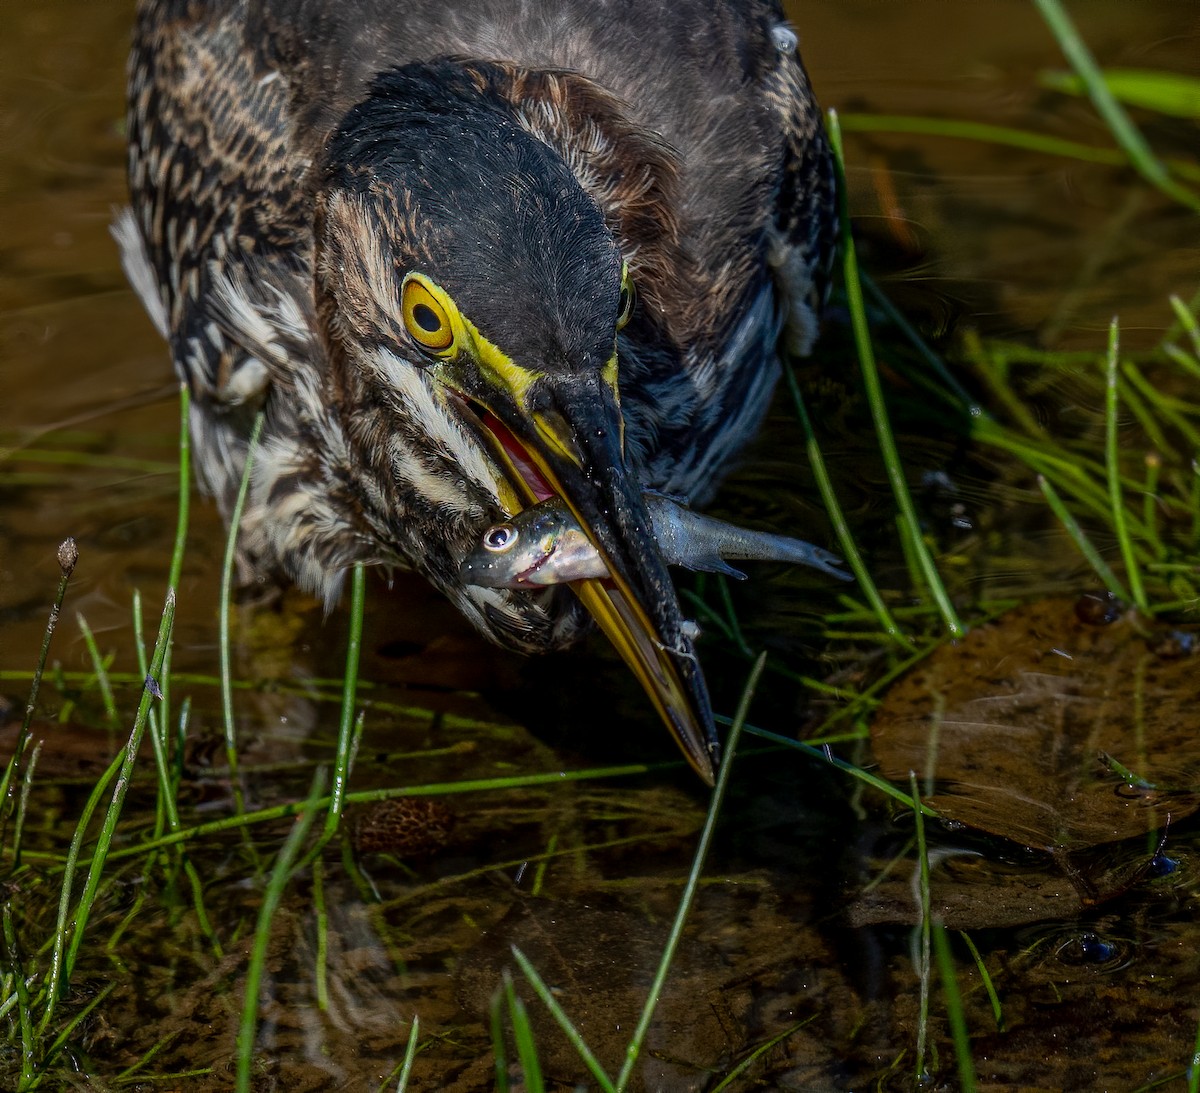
[{"x": 575, "y": 451}]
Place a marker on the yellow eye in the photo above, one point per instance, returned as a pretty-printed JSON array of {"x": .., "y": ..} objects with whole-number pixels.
[
  {"x": 626, "y": 299},
  {"x": 425, "y": 317}
]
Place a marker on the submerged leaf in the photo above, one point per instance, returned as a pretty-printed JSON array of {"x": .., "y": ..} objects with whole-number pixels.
[{"x": 1051, "y": 731}]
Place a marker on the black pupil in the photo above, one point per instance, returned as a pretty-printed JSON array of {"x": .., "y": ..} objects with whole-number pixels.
[
  {"x": 499, "y": 535},
  {"x": 623, "y": 302},
  {"x": 426, "y": 318}
]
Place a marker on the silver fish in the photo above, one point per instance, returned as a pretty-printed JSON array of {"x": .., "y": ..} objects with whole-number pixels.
[{"x": 544, "y": 545}]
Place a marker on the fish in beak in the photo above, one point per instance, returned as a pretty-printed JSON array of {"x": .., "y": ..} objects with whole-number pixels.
[
  {"x": 544, "y": 545},
  {"x": 564, "y": 439}
]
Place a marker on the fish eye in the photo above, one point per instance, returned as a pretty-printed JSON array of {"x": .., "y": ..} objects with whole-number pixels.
[
  {"x": 500, "y": 537},
  {"x": 626, "y": 299},
  {"x": 426, "y": 317}
]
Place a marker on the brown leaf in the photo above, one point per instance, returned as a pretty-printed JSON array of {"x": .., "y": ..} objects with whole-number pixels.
[{"x": 1051, "y": 731}]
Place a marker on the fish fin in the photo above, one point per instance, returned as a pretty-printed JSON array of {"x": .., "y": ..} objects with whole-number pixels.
[
  {"x": 712, "y": 563},
  {"x": 764, "y": 546},
  {"x": 825, "y": 561}
]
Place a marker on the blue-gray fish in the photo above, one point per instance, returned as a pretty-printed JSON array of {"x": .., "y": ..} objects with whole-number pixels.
[{"x": 545, "y": 545}]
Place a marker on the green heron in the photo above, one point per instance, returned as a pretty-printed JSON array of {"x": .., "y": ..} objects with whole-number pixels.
[{"x": 467, "y": 256}]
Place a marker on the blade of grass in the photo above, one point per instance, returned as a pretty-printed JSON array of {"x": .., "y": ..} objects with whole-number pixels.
[
  {"x": 55, "y": 977},
  {"x": 954, "y": 1011},
  {"x": 410, "y": 1053},
  {"x": 26, "y": 789},
  {"x": 986, "y": 978},
  {"x": 1077, "y": 534},
  {"x": 280, "y": 874},
  {"x": 1150, "y": 503},
  {"x": 758, "y": 1053},
  {"x": 1126, "y": 134},
  {"x": 78, "y": 1019},
  {"x": 1185, "y": 320},
  {"x": 91, "y": 886},
  {"x": 825, "y": 756},
  {"x": 1163, "y": 92},
  {"x": 1193, "y": 1069},
  {"x": 1171, "y": 410},
  {"x": 924, "y": 968},
  {"x": 837, "y": 517},
  {"x": 496, "y": 1024},
  {"x": 951, "y": 389},
  {"x": 563, "y": 1021},
  {"x": 874, "y": 392},
  {"x": 349, "y": 731},
  {"x": 321, "y": 913},
  {"x": 68, "y": 556},
  {"x": 531, "y": 1068},
  {"x": 1112, "y": 465},
  {"x": 147, "y": 1057},
  {"x": 960, "y": 129},
  {"x": 101, "y": 670},
  {"x": 29, "y": 1052},
  {"x": 633, "y": 1050},
  {"x": 235, "y": 520},
  {"x": 161, "y": 718},
  {"x": 429, "y": 789}
]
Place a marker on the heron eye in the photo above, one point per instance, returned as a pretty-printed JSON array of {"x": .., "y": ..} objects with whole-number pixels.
[
  {"x": 500, "y": 537},
  {"x": 626, "y": 299},
  {"x": 425, "y": 317}
]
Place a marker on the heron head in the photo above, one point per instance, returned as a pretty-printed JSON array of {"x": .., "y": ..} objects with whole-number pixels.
[{"x": 463, "y": 250}]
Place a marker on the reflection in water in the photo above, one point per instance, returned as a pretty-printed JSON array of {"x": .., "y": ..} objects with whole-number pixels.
[{"x": 969, "y": 235}]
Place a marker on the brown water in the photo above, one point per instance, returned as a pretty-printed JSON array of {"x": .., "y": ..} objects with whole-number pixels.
[{"x": 802, "y": 930}]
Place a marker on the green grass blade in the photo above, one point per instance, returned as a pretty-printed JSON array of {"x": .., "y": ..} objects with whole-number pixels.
[
  {"x": 1185, "y": 321},
  {"x": 23, "y": 801},
  {"x": 29, "y": 1051},
  {"x": 496, "y": 1023},
  {"x": 954, "y": 1011},
  {"x": 563, "y": 1021},
  {"x": 1077, "y": 534},
  {"x": 108, "y": 828},
  {"x": 281, "y": 872},
  {"x": 1170, "y": 93},
  {"x": 875, "y": 399},
  {"x": 349, "y": 732},
  {"x": 55, "y": 979},
  {"x": 1123, "y": 130},
  {"x": 100, "y": 668},
  {"x": 837, "y": 517},
  {"x": 758, "y": 1053},
  {"x": 159, "y": 722},
  {"x": 1113, "y": 468},
  {"x": 167, "y": 775},
  {"x": 950, "y": 389},
  {"x": 986, "y": 978},
  {"x": 77, "y": 1020},
  {"x": 321, "y": 915},
  {"x": 924, "y": 970},
  {"x": 1193, "y": 1069},
  {"x": 428, "y": 789},
  {"x": 410, "y": 1053},
  {"x": 527, "y": 1054},
  {"x": 866, "y": 776},
  {"x": 68, "y": 556},
  {"x": 693, "y": 882},
  {"x": 959, "y": 129}
]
